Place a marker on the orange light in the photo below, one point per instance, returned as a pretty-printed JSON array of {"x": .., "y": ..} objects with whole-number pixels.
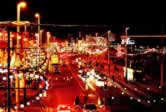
[
  {"x": 22, "y": 4},
  {"x": 25, "y": 39},
  {"x": 12, "y": 35},
  {"x": 18, "y": 37}
]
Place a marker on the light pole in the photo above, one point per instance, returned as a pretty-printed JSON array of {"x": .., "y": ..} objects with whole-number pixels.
[
  {"x": 108, "y": 40},
  {"x": 126, "y": 59},
  {"x": 37, "y": 15},
  {"x": 19, "y": 6}
]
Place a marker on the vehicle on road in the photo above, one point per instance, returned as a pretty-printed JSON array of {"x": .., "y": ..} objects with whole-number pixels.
[
  {"x": 63, "y": 108},
  {"x": 90, "y": 108}
]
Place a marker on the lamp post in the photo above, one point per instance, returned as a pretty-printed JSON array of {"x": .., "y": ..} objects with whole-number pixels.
[
  {"x": 19, "y": 6},
  {"x": 108, "y": 40},
  {"x": 126, "y": 59},
  {"x": 37, "y": 15}
]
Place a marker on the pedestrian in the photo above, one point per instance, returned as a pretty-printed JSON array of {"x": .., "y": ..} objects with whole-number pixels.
[{"x": 77, "y": 101}]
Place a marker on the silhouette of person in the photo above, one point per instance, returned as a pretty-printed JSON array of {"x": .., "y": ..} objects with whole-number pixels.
[{"x": 77, "y": 101}]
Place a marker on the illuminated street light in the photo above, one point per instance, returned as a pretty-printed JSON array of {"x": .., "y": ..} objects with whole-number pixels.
[
  {"x": 19, "y": 6},
  {"x": 38, "y": 37},
  {"x": 37, "y": 15}
]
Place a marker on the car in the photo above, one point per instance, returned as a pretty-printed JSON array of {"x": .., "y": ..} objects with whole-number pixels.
[
  {"x": 101, "y": 80},
  {"x": 90, "y": 108},
  {"x": 63, "y": 108}
]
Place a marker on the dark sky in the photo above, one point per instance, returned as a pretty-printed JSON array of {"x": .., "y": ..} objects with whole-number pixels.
[{"x": 141, "y": 16}]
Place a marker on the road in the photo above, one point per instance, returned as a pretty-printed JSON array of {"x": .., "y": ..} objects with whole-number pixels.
[
  {"x": 66, "y": 85},
  {"x": 63, "y": 90}
]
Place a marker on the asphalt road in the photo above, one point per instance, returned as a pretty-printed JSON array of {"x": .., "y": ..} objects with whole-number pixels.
[{"x": 65, "y": 86}]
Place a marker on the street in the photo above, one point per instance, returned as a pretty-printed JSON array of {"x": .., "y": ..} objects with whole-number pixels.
[{"x": 66, "y": 86}]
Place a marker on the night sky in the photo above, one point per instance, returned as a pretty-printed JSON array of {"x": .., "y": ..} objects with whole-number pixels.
[{"x": 142, "y": 17}]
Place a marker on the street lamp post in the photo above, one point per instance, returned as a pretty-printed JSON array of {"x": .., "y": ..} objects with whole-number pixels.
[
  {"x": 19, "y": 6},
  {"x": 108, "y": 34},
  {"x": 162, "y": 65},
  {"x": 37, "y": 15},
  {"x": 126, "y": 59}
]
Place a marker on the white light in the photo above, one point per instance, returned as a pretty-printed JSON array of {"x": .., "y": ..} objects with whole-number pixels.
[
  {"x": 31, "y": 75},
  {"x": 15, "y": 107},
  {"x": 162, "y": 99},
  {"x": 88, "y": 73},
  {"x": 46, "y": 82},
  {"x": 46, "y": 88},
  {"x": 20, "y": 75},
  {"x": 11, "y": 76},
  {"x": 139, "y": 100},
  {"x": 41, "y": 77},
  {"x": 48, "y": 85},
  {"x": 80, "y": 71},
  {"x": 159, "y": 87},
  {"x": 154, "y": 101},
  {"x": 122, "y": 93},
  {"x": 113, "y": 98},
  {"x": 4, "y": 78},
  {"x": 131, "y": 98},
  {"x": 37, "y": 98},
  {"x": 40, "y": 95},
  {"x": 148, "y": 89},
  {"x": 22, "y": 106},
  {"x": 36, "y": 76},
  {"x": 36, "y": 34},
  {"x": 148, "y": 101},
  {"x": 125, "y": 88},
  {"x": 28, "y": 103}
]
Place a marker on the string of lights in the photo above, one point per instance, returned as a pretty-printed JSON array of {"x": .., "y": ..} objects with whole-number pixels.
[{"x": 137, "y": 95}]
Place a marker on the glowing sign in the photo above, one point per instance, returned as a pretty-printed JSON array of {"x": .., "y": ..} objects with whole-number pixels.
[
  {"x": 54, "y": 59},
  {"x": 130, "y": 73}
]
